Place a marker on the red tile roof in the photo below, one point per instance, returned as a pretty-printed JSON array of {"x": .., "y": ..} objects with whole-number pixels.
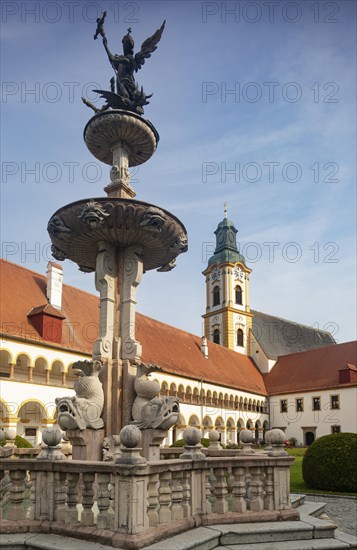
[
  {"x": 310, "y": 370},
  {"x": 175, "y": 351}
]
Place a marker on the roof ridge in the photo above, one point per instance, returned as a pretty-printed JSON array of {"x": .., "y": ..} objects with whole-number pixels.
[{"x": 319, "y": 349}]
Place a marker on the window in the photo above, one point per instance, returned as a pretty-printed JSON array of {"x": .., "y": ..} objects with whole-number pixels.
[
  {"x": 238, "y": 295},
  {"x": 283, "y": 405},
  {"x": 216, "y": 336},
  {"x": 216, "y": 296},
  {"x": 336, "y": 429},
  {"x": 335, "y": 401},
  {"x": 240, "y": 337},
  {"x": 299, "y": 404},
  {"x": 316, "y": 406}
]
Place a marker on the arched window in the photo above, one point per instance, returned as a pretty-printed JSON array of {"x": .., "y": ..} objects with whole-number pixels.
[
  {"x": 216, "y": 296},
  {"x": 239, "y": 295},
  {"x": 216, "y": 336},
  {"x": 240, "y": 337}
]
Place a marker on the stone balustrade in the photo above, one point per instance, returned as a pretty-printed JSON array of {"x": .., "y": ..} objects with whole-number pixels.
[{"x": 131, "y": 505}]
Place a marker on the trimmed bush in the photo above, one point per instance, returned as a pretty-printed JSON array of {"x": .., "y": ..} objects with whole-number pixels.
[
  {"x": 22, "y": 443},
  {"x": 181, "y": 442},
  {"x": 3, "y": 442},
  {"x": 330, "y": 463}
]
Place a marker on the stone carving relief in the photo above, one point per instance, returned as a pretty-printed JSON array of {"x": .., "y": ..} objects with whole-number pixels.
[
  {"x": 149, "y": 410},
  {"x": 153, "y": 219},
  {"x": 93, "y": 214},
  {"x": 85, "y": 408},
  {"x": 105, "y": 274},
  {"x": 181, "y": 245},
  {"x": 130, "y": 276},
  {"x": 57, "y": 228},
  {"x": 58, "y": 254},
  {"x": 216, "y": 275}
]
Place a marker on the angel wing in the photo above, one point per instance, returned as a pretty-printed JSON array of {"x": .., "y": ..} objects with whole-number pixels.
[{"x": 148, "y": 47}]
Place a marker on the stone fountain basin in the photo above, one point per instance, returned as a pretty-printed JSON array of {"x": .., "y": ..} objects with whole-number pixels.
[{"x": 77, "y": 228}]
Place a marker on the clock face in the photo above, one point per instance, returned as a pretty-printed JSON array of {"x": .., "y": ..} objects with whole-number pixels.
[
  {"x": 216, "y": 275},
  {"x": 231, "y": 237},
  {"x": 238, "y": 273},
  {"x": 220, "y": 238}
]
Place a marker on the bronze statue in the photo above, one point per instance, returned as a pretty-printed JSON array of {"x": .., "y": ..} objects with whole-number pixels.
[{"x": 124, "y": 92}]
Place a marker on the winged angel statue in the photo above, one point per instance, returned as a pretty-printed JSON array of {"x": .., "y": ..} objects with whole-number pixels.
[{"x": 124, "y": 91}]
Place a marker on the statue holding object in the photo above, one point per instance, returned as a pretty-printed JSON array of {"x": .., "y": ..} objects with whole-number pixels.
[{"x": 124, "y": 91}]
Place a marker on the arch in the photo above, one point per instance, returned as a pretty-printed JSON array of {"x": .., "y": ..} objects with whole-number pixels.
[
  {"x": 181, "y": 422},
  {"x": 188, "y": 394},
  {"x": 249, "y": 424},
  {"x": 216, "y": 295},
  {"x": 194, "y": 421},
  {"x": 215, "y": 398},
  {"x": 231, "y": 423},
  {"x": 249, "y": 405},
  {"x": 219, "y": 423},
  {"x": 173, "y": 390},
  {"x": 240, "y": 337},
  {"x": 6, "y": 357},
  {"x": 207, "y": 422},
  {"x": 164, "y": 390},
  {"x": 240, "y": 427},
  {"x": 254, "y": 405},
  {"x": 32, "y": 410},
  {"x": 265, "y": 428},
  {"x": 209, "y": 397},
  {"x": 216, "y": 336},
  {"x": 181, "y": 391},
  {"x": 238, "y": 295},
  {"x": 57, "y": 368},
  {"x": 245, "y": 404},
  {"x": 196, "y": 396},
  {"x": 21, "y": 368},
  {"x": 5, "y": 410},
  {"x": 241, "y": 403}
]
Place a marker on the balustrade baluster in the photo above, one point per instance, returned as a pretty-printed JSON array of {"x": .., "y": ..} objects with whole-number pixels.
[
  {"x": 153, "y": 500},
  {"x": 165, "y": 497},
  {"x": 71, "y": 515},
  {"x": 186, "y": 494},
  {"x": 60, "y": 496},
  {"x": 33, "y": 495},
  {"x": 17, "y": 510},
  {"x": 208, "y": 491},
  {"x": 104, "y": 518},
  {"x": 269, "y": 489},
  {"x": 177, "y": 495},
  {"x": 87, "y": 517},
  {"x": 221, "y": 490},
  {"x": 239, "y": 490},
  {"x": 256, "y": 487}
]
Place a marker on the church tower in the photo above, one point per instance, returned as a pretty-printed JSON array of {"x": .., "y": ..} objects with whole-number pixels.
[{"x": 227, "y": 320}]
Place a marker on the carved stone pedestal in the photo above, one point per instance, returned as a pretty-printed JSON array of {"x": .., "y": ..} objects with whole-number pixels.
[
  {"x": 151, "y": 441},
  {"x": 86, "y": 444}
]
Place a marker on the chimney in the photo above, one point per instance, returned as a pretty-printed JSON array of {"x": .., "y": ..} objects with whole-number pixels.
[
  {"x": 54, "y": 284},
  {"x": 204, "y": 347}
]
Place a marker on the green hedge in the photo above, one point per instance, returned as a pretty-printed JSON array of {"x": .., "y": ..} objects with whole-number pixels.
[
  {"x": 330, "y": 463},
  {"x": 22, "y": 443},
  {"x": 181, "y": 442}
]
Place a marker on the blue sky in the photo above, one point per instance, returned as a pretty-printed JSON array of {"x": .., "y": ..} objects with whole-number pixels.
[{"x": 255, "y": 107}]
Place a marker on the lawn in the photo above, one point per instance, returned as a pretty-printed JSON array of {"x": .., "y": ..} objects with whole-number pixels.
[{"x": 297, "y": 484}]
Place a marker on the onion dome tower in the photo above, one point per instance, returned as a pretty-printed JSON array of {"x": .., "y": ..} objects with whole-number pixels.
[{"x": 227, "y": 320}]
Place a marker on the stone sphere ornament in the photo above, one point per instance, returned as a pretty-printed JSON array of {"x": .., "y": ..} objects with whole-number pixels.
[
  {"x": 213, "y": 436},
  {"x": 246, "y": 436},
  {"x": 10, "y": 433},
  {"x": 130, "y": 436},
  {"x": 192, "y": 436},
  {"x": 277, "y": 437},
  {"x": 51, "y": 437},
  {"x": 267, "y": 437}
]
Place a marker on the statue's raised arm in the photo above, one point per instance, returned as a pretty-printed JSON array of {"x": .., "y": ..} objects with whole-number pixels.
[{"x": 148, "y": 47}]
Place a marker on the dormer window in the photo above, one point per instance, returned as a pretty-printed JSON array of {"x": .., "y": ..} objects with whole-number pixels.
[
  {"x": 216, "y": 296},
  {"x": 238, "y": 290}
]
